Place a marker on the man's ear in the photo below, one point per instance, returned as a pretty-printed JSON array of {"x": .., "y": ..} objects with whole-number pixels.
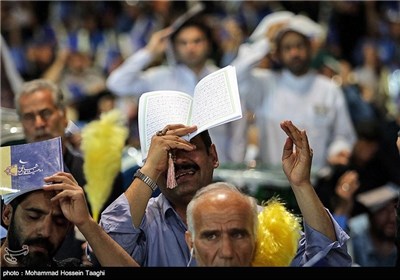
[
  {"x": 188, "y": 239},
  {"x": 213, "y": 151},
  {"x": 6, "y": 214}
]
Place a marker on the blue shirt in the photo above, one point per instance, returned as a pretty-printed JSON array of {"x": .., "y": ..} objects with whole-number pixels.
[
  {"x": 160, "y": 239},
  {"x": 3, "y": 232}
]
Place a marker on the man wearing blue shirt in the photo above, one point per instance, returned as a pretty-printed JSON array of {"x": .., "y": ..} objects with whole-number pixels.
[{"x": 152, "y": 230}]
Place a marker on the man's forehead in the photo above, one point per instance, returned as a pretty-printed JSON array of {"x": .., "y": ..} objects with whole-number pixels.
[
  {"x": 190, "y": 31},
  {"x": 291, "y": 35},
  {"x": 224, "y": 221},
  {"x": 44, "y": 102},
  {"x": 217, "y": 202},
  {"x": 197, "y": 140},
  {"x": 37, "y": 198}
]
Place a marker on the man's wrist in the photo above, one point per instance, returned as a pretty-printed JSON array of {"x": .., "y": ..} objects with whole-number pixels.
[{"x": 146, "y": 179}]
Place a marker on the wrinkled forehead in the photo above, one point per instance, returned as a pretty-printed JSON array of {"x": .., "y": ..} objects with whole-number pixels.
[{"x": 41, "y": 98}]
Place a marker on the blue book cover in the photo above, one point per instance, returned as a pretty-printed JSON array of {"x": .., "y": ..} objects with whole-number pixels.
[{"x": 24, "y": 166}]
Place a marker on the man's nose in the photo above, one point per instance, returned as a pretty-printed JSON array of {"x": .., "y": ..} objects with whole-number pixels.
[
  {"x": 45, "y": 228},
  {"x": 39, "y": 121},
  {"x": 226, "y": 249}
]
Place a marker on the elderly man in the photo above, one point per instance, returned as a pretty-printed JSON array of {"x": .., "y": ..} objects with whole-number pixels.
[{"x": 222, "y": 224}]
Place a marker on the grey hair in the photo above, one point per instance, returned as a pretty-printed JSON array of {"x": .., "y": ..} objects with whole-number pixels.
[
  {"x": 40, "y": 84},
  {"x": 218, "y": 186}
]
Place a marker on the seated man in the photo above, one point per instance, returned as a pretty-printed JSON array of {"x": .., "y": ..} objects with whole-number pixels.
[
  {"x": 152, "y": 229},
  {"x": 39, "y": 219}
]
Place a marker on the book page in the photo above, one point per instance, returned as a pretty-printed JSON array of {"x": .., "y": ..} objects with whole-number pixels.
[
  {"x": 216, "y": 100},
  {"x": 159, "y": 108}
]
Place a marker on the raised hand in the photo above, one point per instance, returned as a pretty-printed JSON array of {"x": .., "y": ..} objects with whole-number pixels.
[
  {"x": 296, "y": 155},
  {"x": 164, "y": 141},
  {"x": 70, "y": 196}
]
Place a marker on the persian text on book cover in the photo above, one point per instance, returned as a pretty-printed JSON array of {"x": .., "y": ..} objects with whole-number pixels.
[{"x": 24, "y": 166}]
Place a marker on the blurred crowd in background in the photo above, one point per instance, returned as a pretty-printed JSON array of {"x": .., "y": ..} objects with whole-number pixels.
[{"x": 78, "y": 43}]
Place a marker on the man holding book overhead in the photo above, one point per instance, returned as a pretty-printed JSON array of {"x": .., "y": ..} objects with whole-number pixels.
[
  {"x": 40, "y": 213},
  {"x": 152, "y": 229},
  {"x": 188, "y": 48},
  {"x": 42, "y": 111}
]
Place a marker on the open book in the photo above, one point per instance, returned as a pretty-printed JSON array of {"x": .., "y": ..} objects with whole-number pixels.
[
  {"x": 23, "y": 167},
  {"x": 215, "y": 101}
]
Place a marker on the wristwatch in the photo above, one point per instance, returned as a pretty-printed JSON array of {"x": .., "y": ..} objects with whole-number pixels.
[{"x": 146, "y": 179}]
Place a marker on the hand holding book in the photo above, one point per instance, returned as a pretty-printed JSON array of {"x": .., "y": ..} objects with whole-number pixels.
[
  {"x": 215, "y": 101},
  {"x": 24, "y": 166}
]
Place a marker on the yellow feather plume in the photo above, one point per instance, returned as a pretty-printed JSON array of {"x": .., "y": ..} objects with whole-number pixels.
[
  {"x": 277, "y": 235},
  {"x": 102, "y": 144}
]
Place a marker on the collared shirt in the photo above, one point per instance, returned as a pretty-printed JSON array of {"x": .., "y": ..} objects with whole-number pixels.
[{"x": 160, "y": 239}]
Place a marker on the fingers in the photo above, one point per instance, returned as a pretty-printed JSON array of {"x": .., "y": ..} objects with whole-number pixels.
[
  {"x": 61, "y": 181},
  {"x": 66, "y": 194},
  {"x": 171, "y": 137},
  {"x": 166, "y": 32},
  {"x": 60, "y": 176},
  {"x": 176, "y": 129},
  {"x": 292, "y": 132},
  {"x": 299, "y": 137}
]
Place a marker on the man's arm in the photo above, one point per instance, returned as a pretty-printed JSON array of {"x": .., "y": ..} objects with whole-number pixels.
[
  {"x": 74, "y": 207},
  {"x": 127, "y": 79},
  {"x": 297, "y": 167},
  {"x": 251, "y": 53}
]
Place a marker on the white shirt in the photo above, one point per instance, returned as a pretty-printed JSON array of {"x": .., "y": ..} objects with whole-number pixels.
[{"x": 312, "y": 102}]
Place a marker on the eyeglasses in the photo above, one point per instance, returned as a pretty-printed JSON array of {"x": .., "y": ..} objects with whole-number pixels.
[{"x": 44, "y": 114}]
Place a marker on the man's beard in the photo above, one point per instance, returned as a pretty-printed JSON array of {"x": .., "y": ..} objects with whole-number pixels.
[
  {"x": 38, "y": 259},
  {"x": 298, "y": 67},
  {"x": 382, "y": 235}
]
